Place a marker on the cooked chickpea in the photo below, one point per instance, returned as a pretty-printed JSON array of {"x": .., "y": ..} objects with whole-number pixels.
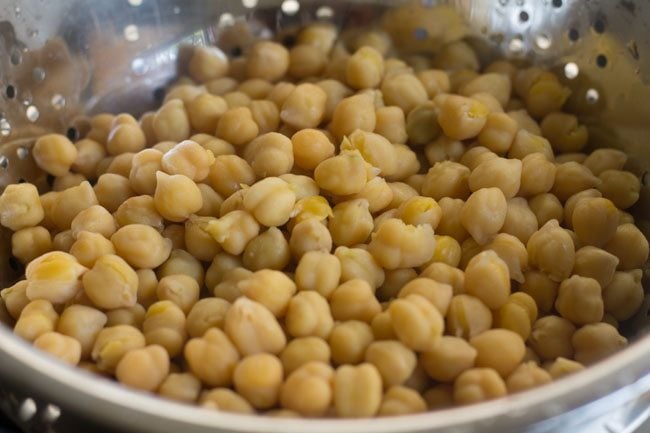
[
  {"x": 269, "y": 250},
  {"x": 527, "y": 143},
  {"x": 253, "y": 328},
  {"x": 399, "y": 400},
  {"x": 144, "y": 368},
  {"x": 448, "y": 359},
  {"x": 498, "y": 133},
  {"x": 225, "y": 400},
  {"x": 270, "y": 155},
  {"x": 111, "y": 271},
  {"x": 417, "y": 323},
  {"x": 357, "y": 263},
  {"x": 110, "y": 191},
  {"x": 184, "y": 387},
  {"x": 439, "y": 294},
  {"x": 212, "y": 358},
  {"x": 20, "y": 206},
  {"x": 89, "y": 247},
  {"x": 303, "y": 350},
  {"x": 176, "y": 196},
  {"x": 63, "y": 241},
  {"x": 398, "y": 245},
  {"x": 237, "y": 126},
  {"x": 258, "y": 378},
  {"x": 551, "y": 337},
  {"x": 29, "y": 243},
  {"x": 112, "y": 343},
  {"x": 141, "y": 246},
  {"x": 537, "y": 175},
  {"x": 595, "y": 342},
  {"x": 15, "y": 298},
  {"x": 139, "y": 210},
  {"x": 270, "y": 201},
  {"x": 487, "y": 277},
  {"x": 407, "y": 163},
  {"x": 621, "y": 187},
  {"x": 624, "y": 295},
  {"x": 171, "y": 122},
  {"x": 484, "y": 213},
  {"x": 571, "y": 178},
  {"x": 595, "y": 221},
  {"x": 375, "y": 149},
  {"x": 54, "y": 154},
  {"x": 36, "y": 318},
  {"x": 68, "y": 180},
  {"x": 467, "y": 317},
  {"x": 89, "y": 153},
  {"x": 382, "y": 327},
  {"x": 228, "y": 173},
  {"x": 601, "y": 160},
  {"x": 552, "y": 251},
  {"x": 60, "y": 346},
  {"x": 562, "y": 367},
  {"x": 391, "y": 124},
  {"x": 267, "y": 60},
  {"x": 304, "y": 107},
  {"x": 478, "y": 384},
  {"x": 441, "y": 396},
  {"x": 460, "y": 117},
  {"x": 527, "y": 376},
  {"x": 473, "y": 156},
  {"x": 501, "y": 173},
  {"x": 318, "y": 271},
  {"x": 54, "y": 276},
  {"x": 349, "y": 340},
  {"x": 352, "y": 113},
  {"x": 546, "y": 207},
  {"x": 564, "y": 132},
  {"x": 309, "y": 235},
  {"x": 403, "y": 90},
  {"x": 308, "y": 389},
  {"x": 357, "y": 390},
  {"x": 630, "y": 245},
  {"x": 595, "y": 263}
]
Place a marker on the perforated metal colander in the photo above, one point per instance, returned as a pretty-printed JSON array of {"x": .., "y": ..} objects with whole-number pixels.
[{"x": 61, "y": 60}]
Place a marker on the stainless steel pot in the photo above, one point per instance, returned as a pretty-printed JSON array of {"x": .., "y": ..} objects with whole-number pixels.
[{"x": 60, "y": 59}]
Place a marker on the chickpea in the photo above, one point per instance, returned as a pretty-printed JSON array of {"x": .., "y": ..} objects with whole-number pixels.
[
  {"x": 176, "y": 196},
  {"x": 36, "y": 318},
  {"x": 228, "y": 173},
  {"x": 258, "y": 379},
  {"x": 253, "y": 328},
  {"x": 20, "y": 206},
  {"x": 61, "y": 346},
  {"x": 357, "y": 390},
  {"x": 422, "y": 124},
  {"x": 441, "y": 396},
  {"x": 352, "y": 113},
  {"x": 269, "y": 250},
  {"x": 184, "y": 387},
  {"x": 460, "y": 117},
  {"x": 467, "y": 317},
  {"x": 94, "y": 219},
  {"x": 487, "y": 277},
  {"x": 212, "y": 358},
  {"x": 54, "y": 154},
  {"x": 125, "y": 137},
  {"x": 401, "y": 193},
  {"x": 472, "y": 157},
  {"x": 63, "y": 241},
  {"x": 29, "y": 243},
  {"x": 144, "y": 368},
  {"x": 399, "y": 400},
  {"x": 407, "y": 163},
  {"x": 537, "y": 176},
  {"x": 354, "y": 300},
  {"x": 391, "y": 124},
  {"x": 377, "y": 192},
  {"x": 403, "y": 90},
  {"x": 310, "y": 148},
  {"x": 398, "y": 245},
  {"x": 478, "y": 384},
  {"x": 304, "y": 107},
  {"x": 308, "y": 389},
  {"x": 448, "y": 359},
  {"x": 357, "y": 263},
  {"x": 444, "y": 149},
  {"x": 100, "y": 126},
  {"x": 225, "y": 400},
  {"x": 68, "y": 180},
  {"x": 141, "y": 246},
  {"x": 601, "y": 160},
  {"x": 498, "y": 133},
  {"x": 54, "y": 276},
  {"x": 82, "y": 323},
  {"x": 47, "y": 203},
  {"x": 595, "y": 220},
  {"x": 15, "y": 298},
  {"x": 501, "y": 173},
  {"x": 564, "y": 132},
  {"x": 233, "y": 231},
  {"x": 133, "y": 316},
  {"x": 382, "y": 327},
  {"x": 89, "y": 153},
  {"x": 546, "y": 207},
  {"x": 318, "y": 271},
  {"x": 237, "y": 126},
  {"x": 267, "y": 60},
  {"x": 551, "y": 337},
  {"x": 273, "y": 289},
  {"x": 527, "y": 143},
  {"x": 630, "y": 246},
  {"x": 375, "y": 149},
  {"x": 305, "y": 61},
  {"x": 484, "y": 213},
  {"x": 110, "y": 191},
  {"x": 270, "y": 155},
  {"x": 447, "y": 179},
  {"x": 596, "y": 341},
  {"x": 624, "y": 295},
  {"x": 435, "y": 81},
  {"x": 572, "y": 178},
  {"x": 207, "y": 63},
  {"x": 270, "y": 201},
  {"x": 112, "y": 343},
  {"x": 447, "y": 274},
  {"x": 351, "y": 222},
  {"x": 111, "y": 270},
  {"x": 139, "y": 210},
  {"x": 171, "y": 122},
  {"x": 417, "y": 323},
  {"x": 301, "y": 351},
  {"x": 580, "y": 301},
  {"x": 182, "y": 262},
  {"x": 349, "y": 340},
  {"x": 309, "y": 235},
  {"x": 595, "y": 263},
  {"x": 439, "y": 294},
  {"x": 121, "y": 164},
  {"x": 528, "y": 375},
  {"x": 621, "y": 187},
  {"x": 551, "y": 250},
  {"x": 562, "y": 367},
  {"x": 89, "y": 247}
]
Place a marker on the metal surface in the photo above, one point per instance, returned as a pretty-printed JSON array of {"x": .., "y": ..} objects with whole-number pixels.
[{"x": 60, "y": 60}]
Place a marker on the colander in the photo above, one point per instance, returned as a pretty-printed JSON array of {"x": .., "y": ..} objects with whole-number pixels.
[{"x": 60, "y": 60}]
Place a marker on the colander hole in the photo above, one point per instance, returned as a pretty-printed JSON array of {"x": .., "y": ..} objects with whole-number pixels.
[
  {"x": 131, "y": 33},
  {"x": 420, "y": 34},
  {"x": 50, "y": 180},
  {"x": 159, "y": 94},
  {"x": 21, "y": 180},
  {"x": 592, "y": 96},
  {"x": 135, "y": 3},
  {"x": 249, "y": 4},
  {"x": 4, "y": 162},
  {"x": 10, "y": 91},
  {"x": 32, "y": 113},
  {"x": 16, "y": 57},
  {"x": 523, "y": 16},
  {"x": 14, "y": 264},
  {"x": 599, "y": 25},
  {"x": 289, "y": 41},
  {"x": 324, "y": 12},
  {"x": 38, "y": 74},
  {"x": 601, "y": 60},
  {"x": 574, "y": 35},
  {"x": 72, "y": 133},
  {"x": 557, "y": 3},
  {"x": 236, "y": 52},
  {"x": 571, "y": 70},
  {"x": 290, "y": 7},
  {"x": 22, "y": 152}
]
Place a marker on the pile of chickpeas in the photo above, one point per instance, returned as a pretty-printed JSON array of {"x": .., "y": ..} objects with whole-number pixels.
[{"x": 329, "y": 230}]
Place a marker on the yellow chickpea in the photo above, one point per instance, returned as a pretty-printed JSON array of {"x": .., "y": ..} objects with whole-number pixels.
[
  {"x": 267, "y": 60},
  {"x": 467, "y": 316},
  {"x": 460, "y": 117},
  {"x": 270, "y": 155},
  {"x": 29, "y": 243},
  {"x": 141, "y": 246},
  {"x": 36, "y": 318},
  {"x": 391, "y": 124},
  {"x": 171, "y": 122},
  {"x": 212, "y": 358},
  {"x": 352, "y": 113},
  {"x": 303, "y": 350},
  {"x": 54, "y": 154},
  {"x": 417, "y": 323},
  {"x": 110, "y": 191},
  {"x": 15, "y": 298},
  {"x": 527, "y": 143},
  {"x": 111, "y": 270},
  {"x": 89, "y": 153},
  {"x": 237, "y": 126},
  {"x": 207, "y": 63},
  {"x": 112, "y": 343},
  {"x": 447, "y": 179},
  {"x": 501, "y": 173},
  {"x": 357, "y": 390},
  {"x": 403, "y": 90},
  {"x": 596, "y": 341},
  {"x": 54, "y": 276},
  {"x": 308, "y": 389},
  {"x": 304, "y": 107},
  {"x": 478, "y": 384},
  {"x": 487, "y": 277},
  {"x": 61, "y": 346},
  {"x": 20, "y": 206},
  {"x": 601, "y": 160},
  {"x": 552, "y": 251}
]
